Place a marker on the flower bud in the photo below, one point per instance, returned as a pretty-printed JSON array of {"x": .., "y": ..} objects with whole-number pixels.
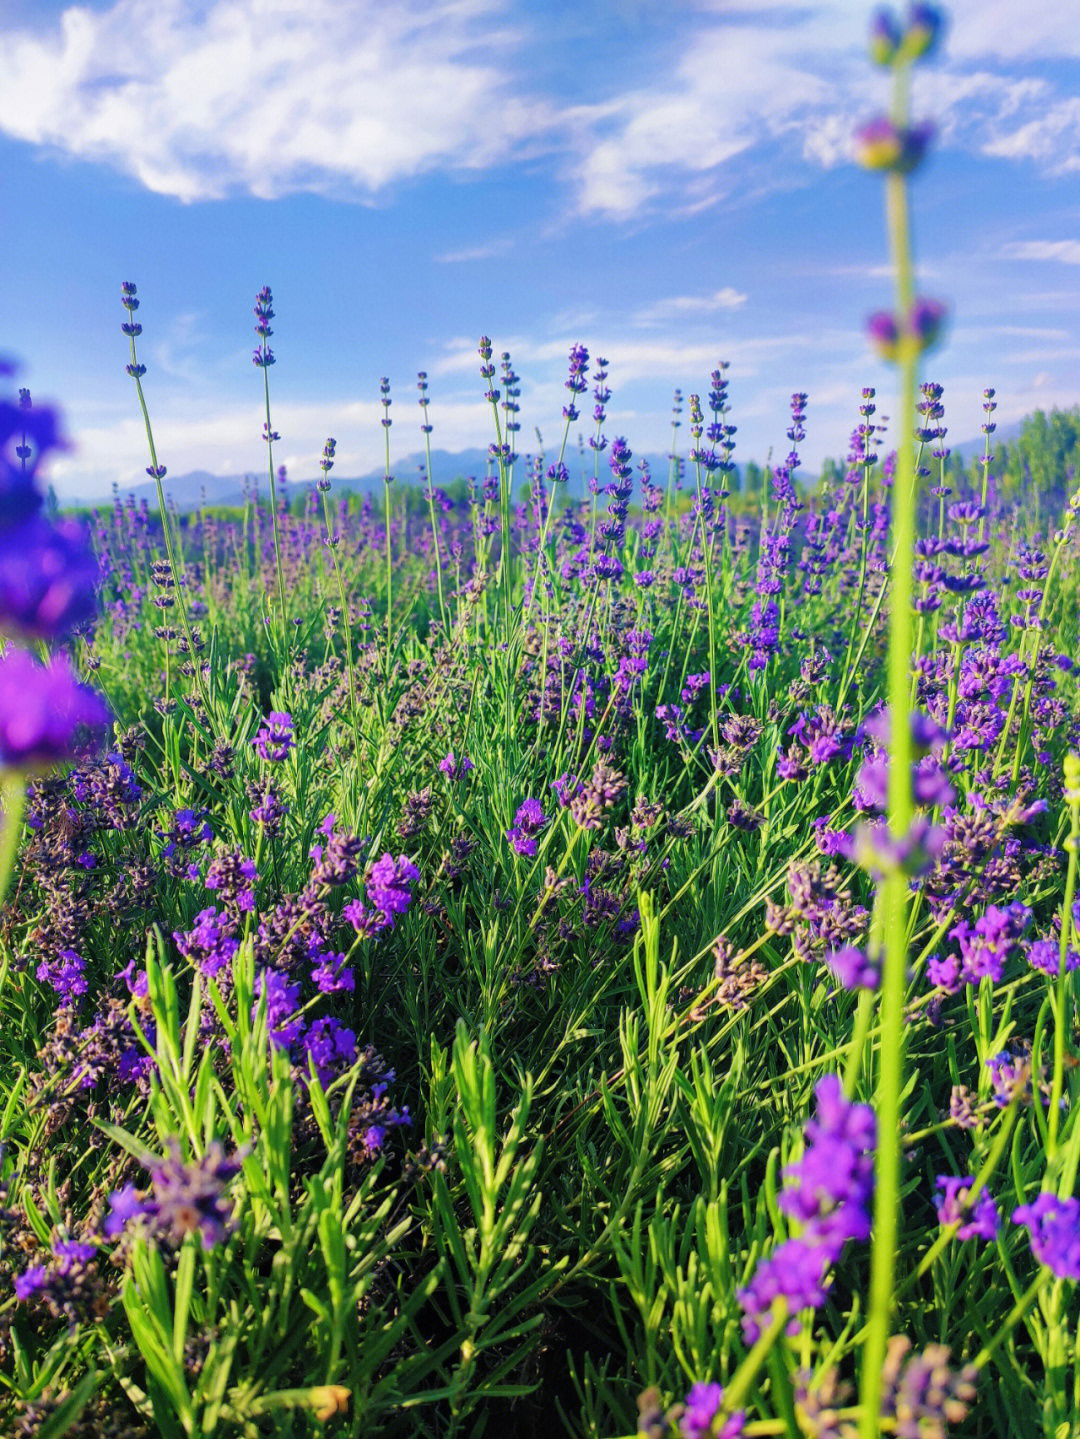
[
  {"x": 885, "y": 38},
  {"x": 882, "y": 145},
  {"x": 925, "y": 26}
]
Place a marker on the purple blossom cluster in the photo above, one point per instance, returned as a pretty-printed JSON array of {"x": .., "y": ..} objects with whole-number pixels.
[
  {"x": 48, "y": 587},
  {"x": 186, "y": 1197},
  {"x": 1054, "y": 1227},
  {"x": 976, "y": 1219},
  {"x": 528, "y": 822},
  {"x": 699, "y": 1416},
  {"x": 827, "y": 1192},
  {"x": 984, "y": 947}
]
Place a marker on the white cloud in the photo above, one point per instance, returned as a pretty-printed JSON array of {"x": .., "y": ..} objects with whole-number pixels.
[
  {"x": 746, "y": 76},
  {"x": 470, "y": 254},
  {"x": 689, "y": 306},
  {"x": 735, "y": 84},
  {"x": 1052, "y": 136},
  {"x": 1067, "y": 252},
  {"x": 270, "y": 96},
  {"x": 266, "y": 97},
  {"x": 994, "y": 28}
]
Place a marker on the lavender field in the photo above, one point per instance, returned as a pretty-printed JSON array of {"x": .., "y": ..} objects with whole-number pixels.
[{"x": 583, "y": 947}]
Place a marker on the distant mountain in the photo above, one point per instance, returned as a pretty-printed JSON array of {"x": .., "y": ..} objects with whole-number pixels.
[
  {"x": 197, "y": 487},
  {"x": 1003, "y": 435}
]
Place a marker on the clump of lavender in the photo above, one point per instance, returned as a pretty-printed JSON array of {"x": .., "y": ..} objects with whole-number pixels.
[
  {"x": 46, "y": 715},
  {"x": 921, "y": 1393},
  {"x": 389, "y": 893}
]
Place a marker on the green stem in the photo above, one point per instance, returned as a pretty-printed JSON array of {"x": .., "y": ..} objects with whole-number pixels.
[
  {"x": 166, "y": 530},
  {"x": 13, "y": 795},
  {"x": 274, "y": 509},
  {"x": 900, "y": 811},
  {"x": 434, "y": 529},
  {"x": 744, "y": 1376},
  {"x": 1061, "y": 999}
]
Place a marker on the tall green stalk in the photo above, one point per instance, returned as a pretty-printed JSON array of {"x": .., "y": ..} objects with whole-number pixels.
[
  {"x": 1062, "y": 998},
  {"x": 426, "y": 428},
  {"x": 264, "y": 358},
  {"x": 909, "y": 343},
  {"x": 157, "y": 472},
  {"x": 13, "y": 802},
  {"x": 274, "y": 507},
  {"x": 384, "y": 386}
]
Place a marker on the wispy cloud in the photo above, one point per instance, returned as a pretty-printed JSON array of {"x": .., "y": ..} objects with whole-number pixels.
[
  {"x": 202, "y": 101},
  {"x": 734, "y": 84},
  {"x": 1066, "y": 252},
  {"x": 681, "y": 307},
  {"x": 993, "y": 29},
  {"x": 470, "y": 254},
  {"x": 347, "y": 97},
  {"x": 1051, "y": 137}
]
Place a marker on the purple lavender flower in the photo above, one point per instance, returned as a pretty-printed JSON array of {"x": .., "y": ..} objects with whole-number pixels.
[
  {"x": 124, "y": 1206},
  {"x": 828, "y": 1190},
  {"x": 978, "y": 1220},
  {"x": 27, "y": 435},
  {"x": 189, "y": 829},
  {"x": 367, "y": 922},
  {"x": 45, "y": 714},
  {"x": 275, "y": 738},
  {"x": 211, "y": 944},
  {"x": 881, "y": 144},
  {"x": 454, "y": 768},
  {"x": 188, "y": 1197},
  {"x": 388, "y": 883},
  {"x": 943, "y": 972},
  {"x": 885, "y": 37},
  {"x": 854, "y": 968},
  {"x": 701, "y": 1407},
  {"x": 921, "y": 1393},
  {"x": 1012, "y": 1075},
  {"x": 30, "y": 1282},
  {"x": 335, "y": 862},
  {"x": 528, "y": 822},
  {"x": 1054, "y": 1227},
  {"x": 65, "y": 974},
  {"x": 330, "y": 1047},
  {"x": 925, "y": 26},
  {"x": 986, "y": 945},
  {"x": 795, "y": 1271},
  {"x": 233, "y": 877},
  {"x": 1045, "y": 955},
  {"x": 331, "y": 975},
  {"x": 283, "y": 1021},
  {"x": 48, "y": 578},
  {"x": 270, "y": 809}
]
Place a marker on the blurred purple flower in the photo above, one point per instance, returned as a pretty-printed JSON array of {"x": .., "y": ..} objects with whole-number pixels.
[
  {"x": 1054, "y": 1227},
  {"x": 46, "y": 715},
  {"x": 48, "y": 578},
  {"x": 978, "y": 1220}
]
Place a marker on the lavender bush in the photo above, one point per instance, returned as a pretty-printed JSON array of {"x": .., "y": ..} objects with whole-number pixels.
[{"x": 491, "y": 961}]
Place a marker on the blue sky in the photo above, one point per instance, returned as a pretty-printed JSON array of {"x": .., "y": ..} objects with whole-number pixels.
[{"x": 668, "y": 184}]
